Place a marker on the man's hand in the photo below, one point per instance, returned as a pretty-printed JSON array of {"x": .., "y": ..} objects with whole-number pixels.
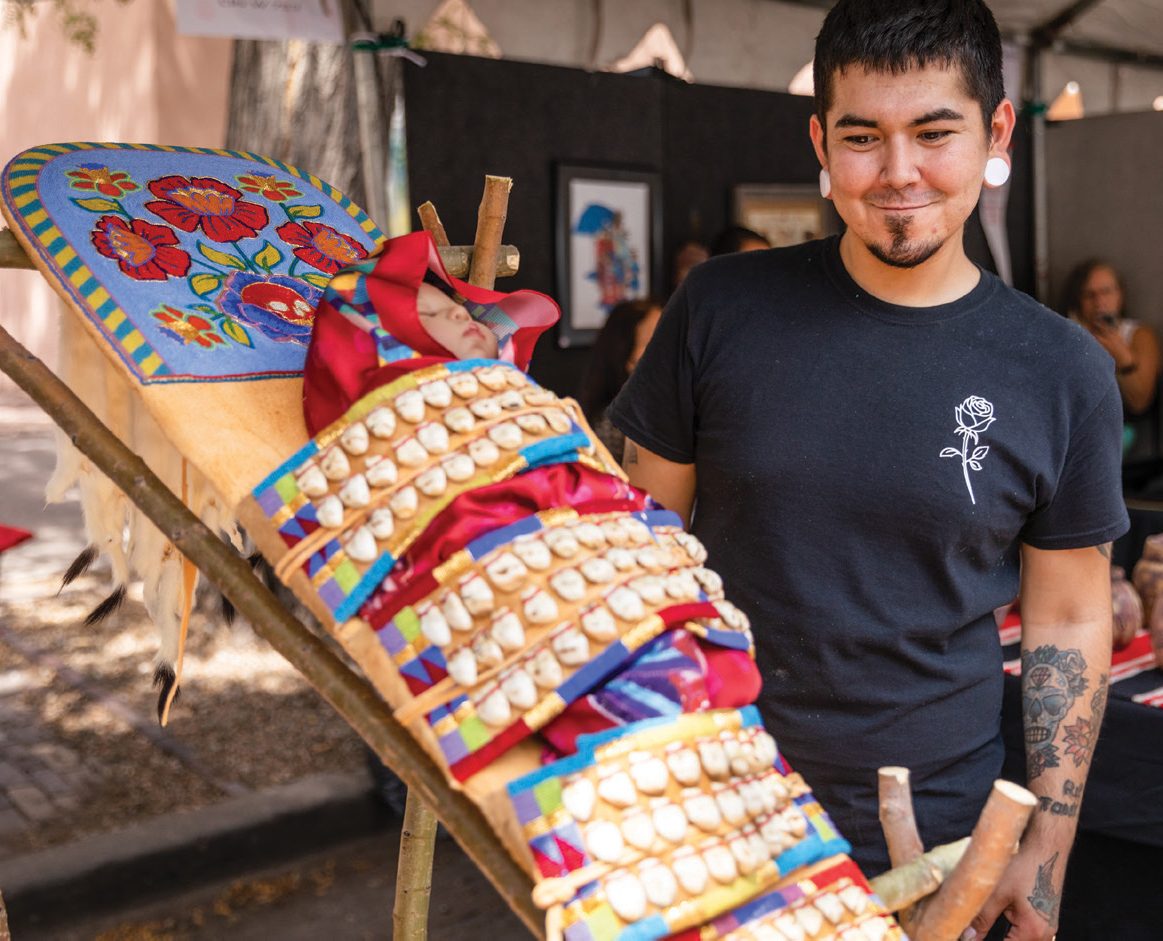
[{"x": 1029, "y": 894}]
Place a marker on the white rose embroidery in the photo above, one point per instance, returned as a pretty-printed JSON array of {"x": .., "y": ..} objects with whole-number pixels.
[{"x": 974, "y": 415}]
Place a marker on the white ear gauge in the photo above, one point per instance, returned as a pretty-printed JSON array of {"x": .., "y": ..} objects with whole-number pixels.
[
  {"x": 825, "y": 184},
  {"x": 997, "y": 172}
]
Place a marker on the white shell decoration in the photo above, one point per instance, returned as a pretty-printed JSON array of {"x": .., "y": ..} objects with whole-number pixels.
[
  {"x": 684, "y": 765},
  {"x": 404, "y": 502},
  {"x": 312, "y": 481},
  {"x": 650, "y": 775},
  {"x": 599, "y": 624},
  {"x": 721, "y": 864},
  {"x": 830, "y": 906},
  {"x": 702, "y": 811},
  {"x": 669, "y": 822},
  {"x": 854, "y": 899},
  {"x": 626, "y": 604},
  {"x": 534, "y": 553},
  {"x": 637, "y": 532},
  {"x": 659, "y": 884},
  {"x": 714, "y": 759},
  {"x": 568, "y": 584},
  {"x": 494, "y": 708},
  {"x": 486, "y": 409},
  {"x": 361, "y": 546},
  {"x": 626, "y": 896},
  {"x": 381, "y": 523},
  {"x": 794, "y": 820},
  {"x": 598, "y": 570},
  {"x": 622, "y": 559},
  {"x": 335, "y": 464},
  {"x": 562, "y": 543},
  {"x": 787, "y": 925},
  {"x": 459, "y": 467},
  {"x": 330, "y": 512},
  {"x": 765, "y": 750},
  {"x": 744, "y": 762},
  {"x": 638, "y": 830},
  {"x": 492, "y": 377},
  {"x": 506, "y": 571},
  {"x": 539, "y": 396},
  {"x": 464, "y": 384},
  {"x": 531, "y": 424},
  {"x": 354, "y": 439},
  {"x": 516, "y": 378},
  {"x": 484, "y": 452},
  {"x": 691, "y": 872},
  {"x": 875, "y": 929},
  {"x": 455, "y": 612},
  {"x": 381, "y": 422},
  {"x": 731, "y": 806},
  {"x": 506, "y": 435},
  {"x": 651, "y": 588},
  {"x": 692, "y": 547},
  {"x": 433, "y": 437},
  {"x": 558, "y": 421},
  {"x": 433, "y": 624},
  {"x": 538, "y": 605},
  {"x": 810, "y": 919},
  {"x": 578, "y": 797},
  {"x": 759, "y": 847},
  {"x": 410, "y": 406},
  {"x": 745, "y": 857},
  {"x": 459, "y": 420},
  {"x": 507, "y": 630},
  {"x": 437, "y": 393},
  {"x": 651, "y": 558},
  {"x": 710, "y": 580},
  {"x": 381, "y": 472},
  {"x": 433, "y": 482},
  {"x": 510, "y": 400},
  {"x": 681, "y": 586},
  {"x": 775, "y": 835},
  {"x": 612, "y": 530},
  {"x": 487, "y": 651},
  {"x": 733, "y": 617},
  {"x": 604, "y": 841},
  {"x": 752, "y": 793},
  {"x": 571, "y": 647},
  {"x": 462, "y": 667},
  {"x": 410, "y": 452},
  {"x": 476, "y": 594},
  {"x": 520, "y": 690},
  {"x": 355, "y": 493},
  {"x": 618, "y": 789},
  {"x": 589, "y": 535},
  {"x": 545, "y": 670}
]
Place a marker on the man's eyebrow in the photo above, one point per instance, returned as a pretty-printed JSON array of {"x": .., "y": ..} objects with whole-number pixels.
[
  {"x": 852, "y": 120},
  {"x": 941, "y": 114}
]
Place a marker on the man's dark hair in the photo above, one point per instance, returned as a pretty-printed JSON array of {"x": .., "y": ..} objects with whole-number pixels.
[{"x": 897, "y": 35}]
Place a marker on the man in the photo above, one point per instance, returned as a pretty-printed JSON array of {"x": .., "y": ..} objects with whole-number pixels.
[{"x": 881, "y": 440}]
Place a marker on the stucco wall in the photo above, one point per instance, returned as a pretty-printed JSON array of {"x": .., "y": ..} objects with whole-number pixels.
[{"x": 143, "y": 84}]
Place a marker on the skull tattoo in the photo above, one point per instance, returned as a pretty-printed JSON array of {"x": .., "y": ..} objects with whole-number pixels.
[{"x": 1052, "y": 680}]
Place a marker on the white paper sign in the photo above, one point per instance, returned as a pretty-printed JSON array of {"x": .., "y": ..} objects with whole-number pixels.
[{"x": 318, "y": 20}]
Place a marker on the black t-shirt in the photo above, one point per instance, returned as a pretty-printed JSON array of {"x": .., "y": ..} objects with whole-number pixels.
[{"x": 866, "y": 474}]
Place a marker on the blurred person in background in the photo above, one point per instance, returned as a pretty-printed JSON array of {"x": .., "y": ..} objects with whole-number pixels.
[
  {"x": 1095, "y": 297},
  {"x": 686, "y": 256},
  {"x": 737, "y": 238},
  {"x": 614, "y": 355}
]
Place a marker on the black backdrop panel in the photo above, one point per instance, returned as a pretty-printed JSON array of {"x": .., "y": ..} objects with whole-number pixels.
[{"x": 469, "y": 116}]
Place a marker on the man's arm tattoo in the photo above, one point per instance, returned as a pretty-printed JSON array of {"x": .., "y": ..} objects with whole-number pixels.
[
  {"x": 1104, "y": 550},
  {"x": 1052, "y": 680},
  {"x": 630, "y": 455},
  {"x": 1045, "y": 900}
]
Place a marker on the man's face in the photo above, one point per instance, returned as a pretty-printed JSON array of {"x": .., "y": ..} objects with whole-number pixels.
[
  {"x": 906, "y": 154},
  {"x": 450, "y": 325},
  {"x": 1101, "y": 300}
]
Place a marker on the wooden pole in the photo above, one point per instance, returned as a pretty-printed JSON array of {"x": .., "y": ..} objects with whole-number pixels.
[
  {"x": 352, "y": 697},
  {"x": 4, "y": 935},
  {"x": 903, "y": 886},
  {"x": 12, "y": 254},
  {"x": 991, "y": 846},
  {"x": 490, "y": 224},
  {"x": 899, "y": 824},
  {"x": 430, "y": 220}
]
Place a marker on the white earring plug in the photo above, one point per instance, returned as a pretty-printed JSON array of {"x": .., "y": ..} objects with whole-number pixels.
[
  {"x": 825, "y": 184},
  {"x": 997, "y": 172}
]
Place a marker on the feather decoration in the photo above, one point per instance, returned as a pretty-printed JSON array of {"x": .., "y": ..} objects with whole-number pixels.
[
  {"x": 79, "y": 566},
  {"x": 106, "y": 607}
]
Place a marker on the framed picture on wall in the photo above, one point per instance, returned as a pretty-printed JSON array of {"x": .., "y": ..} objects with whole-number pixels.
[
  {"x": 609, "y": 244},
  {"x": 785, "y": 214}
]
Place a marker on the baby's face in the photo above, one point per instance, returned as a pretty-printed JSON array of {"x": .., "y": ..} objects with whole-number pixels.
[{"x": 450, "y": 325}]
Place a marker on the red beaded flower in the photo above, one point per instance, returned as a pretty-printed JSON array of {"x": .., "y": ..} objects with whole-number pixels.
[
  {"x": 142, "y": 250},
  {"x": 219, "y": 209}
]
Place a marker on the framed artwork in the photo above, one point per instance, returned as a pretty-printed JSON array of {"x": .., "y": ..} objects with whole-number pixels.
[
  {"x": 785, "y": 214},
  {"x": 609, "y": 245}
]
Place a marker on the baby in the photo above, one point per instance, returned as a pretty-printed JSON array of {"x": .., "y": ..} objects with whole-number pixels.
[{"x": 452, "y": 326}]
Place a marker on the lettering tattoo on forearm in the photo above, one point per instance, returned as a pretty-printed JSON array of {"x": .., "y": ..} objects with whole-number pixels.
[
  {"x": 1045, "y": 900},
  {"x": 1104, "y": 550},
  {"x": 1052, "y": 680},
  {"x": 1063, "y": 808}
]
